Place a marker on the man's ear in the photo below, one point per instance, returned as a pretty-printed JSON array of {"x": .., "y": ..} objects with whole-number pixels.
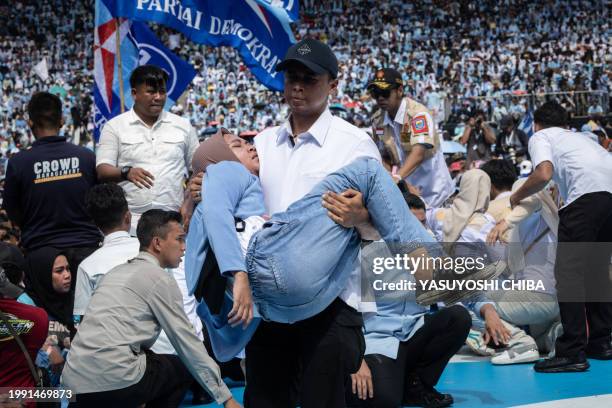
[
  {"x": 494, "y": 191},
  {"x": 31, "y": 124},
  {"x": 156, "y": 244},
  {"x": 127, "y": 218},
  {"x": 333, "y": 86}
]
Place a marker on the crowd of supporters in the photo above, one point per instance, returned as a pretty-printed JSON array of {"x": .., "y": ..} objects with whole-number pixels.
[{"x": 472, "y": 55}]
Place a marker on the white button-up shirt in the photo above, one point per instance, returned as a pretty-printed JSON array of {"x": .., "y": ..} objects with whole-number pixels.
[
  {"x": 287, "y": 172},
  {"x": 164, "y": 149}
]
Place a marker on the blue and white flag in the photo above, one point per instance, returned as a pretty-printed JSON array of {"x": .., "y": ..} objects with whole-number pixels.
[
  {"x": 526, "y": 124},
  {"x": 138, "y": 46},
  {"x": 258, "y": 29}
]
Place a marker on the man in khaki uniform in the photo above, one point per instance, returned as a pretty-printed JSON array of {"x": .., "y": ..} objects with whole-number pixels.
[{"x": 405, "y": 130}]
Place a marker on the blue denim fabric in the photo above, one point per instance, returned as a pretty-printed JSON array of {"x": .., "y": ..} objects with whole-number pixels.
[{"x": 301, "y": 261}]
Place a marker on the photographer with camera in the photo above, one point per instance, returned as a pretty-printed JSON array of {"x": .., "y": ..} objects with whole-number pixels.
[
  {"x": 511, "y": 141},
  {"x": 478, "y": 136}
]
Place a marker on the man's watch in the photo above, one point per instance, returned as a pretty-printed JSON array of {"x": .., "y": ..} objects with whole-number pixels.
[{"x": 125, "y": 171}]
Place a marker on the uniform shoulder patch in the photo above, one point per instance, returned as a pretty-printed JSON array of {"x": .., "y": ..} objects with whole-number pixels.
[{"x": 419, "y": 125}]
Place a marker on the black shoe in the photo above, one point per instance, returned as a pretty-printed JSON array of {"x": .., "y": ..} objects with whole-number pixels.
[
  {"x": 600, "y": 352},
  {"x": 419, "y": 395},
  {"x": 562, "y": 364}
]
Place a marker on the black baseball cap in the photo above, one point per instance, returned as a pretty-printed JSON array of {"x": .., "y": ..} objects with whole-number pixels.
[
  {"x": 386, "y": 78},
  {"x": 314, "y": 54}
]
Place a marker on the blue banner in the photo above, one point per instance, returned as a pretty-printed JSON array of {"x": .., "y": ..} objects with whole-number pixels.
[
  {"x": 258, "y": 29},
  {"x": 138, "y": 46}
]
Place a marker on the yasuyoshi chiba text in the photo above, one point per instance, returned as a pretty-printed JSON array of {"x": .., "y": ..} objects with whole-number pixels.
[{"x": 458, "y": 285}]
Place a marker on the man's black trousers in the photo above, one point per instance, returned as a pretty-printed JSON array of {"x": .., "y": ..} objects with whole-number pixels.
[
  {"x": 582, "y": 272},
  {"x": 164, "y": 384},
  {"x": 425, "y": 354},
  {"x": 306, "y": 364}
]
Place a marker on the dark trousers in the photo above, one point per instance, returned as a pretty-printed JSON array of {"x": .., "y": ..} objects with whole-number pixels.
[
  {"x": 163, "y": 385},
  {"x": 307, "y": 363},
  {"x": 425, "y": 354},
  {"x": 582, "y": 271}
]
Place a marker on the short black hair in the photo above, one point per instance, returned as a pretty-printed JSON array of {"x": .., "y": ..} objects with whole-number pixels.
[
  {"x": 106, "y": 205},
  {"x": 413, "y": 201},
  {"x": 150, "y": 75},
  {"x": 551, "y": 114},
  {"x": 45, "y": 111},
  {"x": 501, "y": 172},
  {"x": 154, "y": 223}
]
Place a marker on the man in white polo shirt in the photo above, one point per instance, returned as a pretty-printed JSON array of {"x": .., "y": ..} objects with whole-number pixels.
[
  {"x": 146, "y": 149},
  {"x": 582, "y": 169}
]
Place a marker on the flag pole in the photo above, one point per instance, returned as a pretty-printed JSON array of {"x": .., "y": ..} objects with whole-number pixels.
[{"x": 120, "y": 66}]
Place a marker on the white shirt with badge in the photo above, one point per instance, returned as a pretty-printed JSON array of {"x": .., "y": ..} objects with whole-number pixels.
[
  {"x": 164, "y": 149},
  {"x": 580, "y": 165},
  {"x": 288, "y": 172},
  {"x": 431, "y": 176}
]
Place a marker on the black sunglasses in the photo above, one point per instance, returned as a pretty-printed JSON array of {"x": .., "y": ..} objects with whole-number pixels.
[{"x": 376, "y": 92}]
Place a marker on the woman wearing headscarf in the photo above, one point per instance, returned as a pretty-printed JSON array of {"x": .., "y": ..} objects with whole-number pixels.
[{"x": 50, "y": 285}]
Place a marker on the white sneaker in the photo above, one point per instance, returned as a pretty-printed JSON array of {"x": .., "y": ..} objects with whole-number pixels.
[
  {"x": 475, "y": 341},
  {"x": 517, "y": 354}
]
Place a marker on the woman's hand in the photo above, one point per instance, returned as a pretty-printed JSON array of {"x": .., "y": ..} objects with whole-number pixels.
[{"x": 242, "y": 311}]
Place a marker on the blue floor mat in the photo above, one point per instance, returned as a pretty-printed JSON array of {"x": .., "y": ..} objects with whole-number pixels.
[{"x": 481, "y": 384}]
